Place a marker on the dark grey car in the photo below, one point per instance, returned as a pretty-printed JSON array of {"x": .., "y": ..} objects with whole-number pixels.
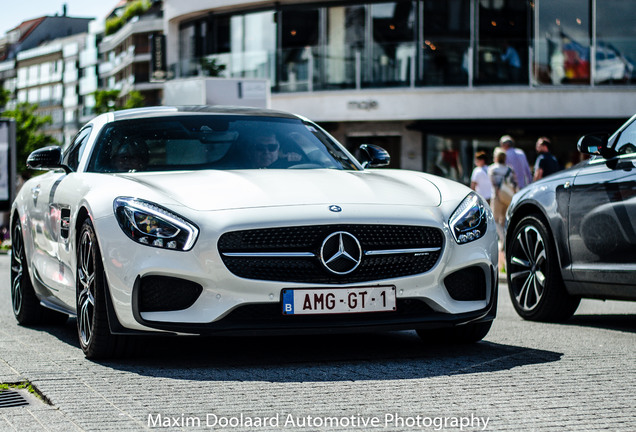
[{"x": 572, "y": 235}]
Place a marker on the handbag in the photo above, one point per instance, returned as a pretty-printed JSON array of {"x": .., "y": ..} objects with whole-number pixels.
[{"x": 506, "y": 189}]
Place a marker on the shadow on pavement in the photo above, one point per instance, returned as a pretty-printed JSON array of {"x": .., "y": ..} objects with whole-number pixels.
[
  {"x": 354, "y": 357},
  {"x": 320, "y": 358},
  {"x": 620, "y": 322}
]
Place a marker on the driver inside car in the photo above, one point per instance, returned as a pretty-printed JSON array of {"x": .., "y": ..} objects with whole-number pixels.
[
  {"x": 131, "y": 156},
  {"x": 265, "y": 152}
]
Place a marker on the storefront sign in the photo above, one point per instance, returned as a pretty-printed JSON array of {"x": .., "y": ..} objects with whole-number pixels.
[
  {"x": 158, "y": 70},
  {"x": 367, "y": 105}
]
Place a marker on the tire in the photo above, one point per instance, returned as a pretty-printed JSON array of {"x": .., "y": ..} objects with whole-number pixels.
[
  {"x": 464, "y": 334},
  {"x": 535, "y": 283},
  {"x": 25, "y": 304},
  {"x": 95, "y": 338}
]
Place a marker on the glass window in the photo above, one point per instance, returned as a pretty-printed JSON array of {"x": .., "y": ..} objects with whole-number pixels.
[
  {"x": 253, "y": 42},
  {"x": 34, "y": 74},
  {"x": 446, "y": 40},
  {"x": 502, "y": 42},
  {"x": 299, "y": 38},
  {"x": 46, "y": 71},
  {"x": 74, "y": 152},
  {"x": 390, "y": 59},
  {"x": 187, "y": 64},
  {"x": 241, "y": 45},
  {"x": 562, "y": 46},
  {"x": 222, "y": 142},
  {"x": 344, "y": 45},
  {"x": 45, "y": 95},
  {"x": 34, "y": 95},
  {"x": 22, "y": 77},
  {"x": 615, "y": 42},
  {"x": 626, "y": 143}
]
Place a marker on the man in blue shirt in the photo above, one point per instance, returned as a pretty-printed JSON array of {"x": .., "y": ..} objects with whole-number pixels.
[
  {"x": 546, "y": 163},
  {"x": 511, "y": 58}
]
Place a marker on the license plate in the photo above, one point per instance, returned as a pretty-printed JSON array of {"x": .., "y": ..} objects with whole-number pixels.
[{"x": 338, "y": 300}]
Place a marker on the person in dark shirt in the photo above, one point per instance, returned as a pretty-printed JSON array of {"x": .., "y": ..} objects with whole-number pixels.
[{"x": 546, "y": 163}]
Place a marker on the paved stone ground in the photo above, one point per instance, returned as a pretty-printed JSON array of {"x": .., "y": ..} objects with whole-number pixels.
[{"x": 525, "y": 376}]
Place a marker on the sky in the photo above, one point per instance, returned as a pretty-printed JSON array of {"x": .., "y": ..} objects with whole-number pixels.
[{"x": 13, "y": 12}]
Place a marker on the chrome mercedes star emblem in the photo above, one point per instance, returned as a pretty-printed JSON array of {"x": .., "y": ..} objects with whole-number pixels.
[
  {"x": 341, "y": 253},
  {"x": 335, "y": 208}
]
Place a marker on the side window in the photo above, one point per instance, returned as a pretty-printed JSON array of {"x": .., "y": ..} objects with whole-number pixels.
[
  {"x": 74, "y": 152},
  {"x": 627, "y": 140}
]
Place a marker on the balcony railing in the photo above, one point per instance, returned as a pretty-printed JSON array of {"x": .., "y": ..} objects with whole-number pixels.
[{"x": 440, "y": 63}]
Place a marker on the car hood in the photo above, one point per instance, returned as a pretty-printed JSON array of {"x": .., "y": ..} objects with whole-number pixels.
[{"x": 223, "y": 190}]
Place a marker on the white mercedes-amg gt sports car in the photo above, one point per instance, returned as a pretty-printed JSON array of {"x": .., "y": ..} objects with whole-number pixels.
[{"x": 224, "y": 221}]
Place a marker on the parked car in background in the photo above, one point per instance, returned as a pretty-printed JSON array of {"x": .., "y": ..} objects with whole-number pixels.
[
  {"x": 572, "y": 235},
  {"x": 228, "y": 221}
]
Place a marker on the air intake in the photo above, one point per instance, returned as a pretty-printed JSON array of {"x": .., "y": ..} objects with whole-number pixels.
[{"x": 468, "y": 284}]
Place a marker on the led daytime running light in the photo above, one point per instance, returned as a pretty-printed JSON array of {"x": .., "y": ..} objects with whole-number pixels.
[
  {"x": 152, "y": 225},
  {"x": 469, "y": 220}
]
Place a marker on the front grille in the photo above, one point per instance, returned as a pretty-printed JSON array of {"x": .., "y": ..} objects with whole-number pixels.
[
  {"x": 468, "y": 284},
  {"x": 163, "y": 293},
  {"x": 309, "y": 239}
]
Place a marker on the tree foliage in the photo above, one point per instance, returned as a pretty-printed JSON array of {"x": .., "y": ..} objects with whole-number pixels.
[
  {"x": 106, "y": 101},
  {"x": 135, "y": 100},
  {"x": 4, "y": 97},
  {"x": 28, "y": 132},
  {"x": 135, "y": 8},
  {"x": 211, "y": 68}
]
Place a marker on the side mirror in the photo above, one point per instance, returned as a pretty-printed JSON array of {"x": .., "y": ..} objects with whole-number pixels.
[
  {"x": 374, "y": 156},
  {"x": 595, "y": 144},
  {"x": 46, "y": 158}
]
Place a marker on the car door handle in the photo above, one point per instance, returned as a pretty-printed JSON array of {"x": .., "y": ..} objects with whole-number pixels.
[{"x": 35, "y": 192}]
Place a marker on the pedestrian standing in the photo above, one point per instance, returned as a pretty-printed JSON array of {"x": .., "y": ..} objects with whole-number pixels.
[
  {"x": 479, "y": 180},
  {"x": 546, "y": 163},
  {"x": 517, "y": 160},
  {"x": 499, "y": 173}
]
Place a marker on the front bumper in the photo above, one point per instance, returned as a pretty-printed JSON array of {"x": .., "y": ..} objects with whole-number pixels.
[{"x": 231, "y": 305}]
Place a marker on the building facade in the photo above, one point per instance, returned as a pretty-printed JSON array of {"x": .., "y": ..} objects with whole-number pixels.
[
  {"x": 125, "y": 58},
  {"x": 40, "y": 66},
  {"x": 433, "y": 81}
]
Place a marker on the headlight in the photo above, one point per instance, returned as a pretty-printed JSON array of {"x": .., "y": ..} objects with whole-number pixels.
[
  {"x": 152, "y": 225},
  {"x": 470, "y": 219}
]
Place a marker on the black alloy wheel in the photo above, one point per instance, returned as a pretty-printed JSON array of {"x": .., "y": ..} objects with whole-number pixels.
[
  {"x": 93, "y": 330},
  {"x": 26, "y": 305},
  {"x": 534, "y": 278}
]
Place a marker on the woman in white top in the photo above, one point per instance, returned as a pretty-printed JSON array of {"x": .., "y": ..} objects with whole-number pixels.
[
  {"x": 499, "y": 172},
  {"x": 479, "y": 180}
]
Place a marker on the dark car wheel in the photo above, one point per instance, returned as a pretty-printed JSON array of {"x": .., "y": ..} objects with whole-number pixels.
[
  {"x": 534, "y": 279},
  {"x": 467, "y": 333},
  {"x": 93, "y": 330},
  {"x": 26, "y": 305}
]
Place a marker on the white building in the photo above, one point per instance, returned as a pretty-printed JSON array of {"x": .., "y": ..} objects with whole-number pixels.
[
  {"x": 49, "y": 77},
  {"x": 429, "y": 80}
]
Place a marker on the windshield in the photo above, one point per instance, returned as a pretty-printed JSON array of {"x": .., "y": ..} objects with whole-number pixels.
[{"x": 215, "y": 141}]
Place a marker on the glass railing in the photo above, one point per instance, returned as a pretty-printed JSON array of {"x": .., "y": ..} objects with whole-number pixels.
[
  {"x": 434, "y": 63},
  {"x": 254, "y": 64}
]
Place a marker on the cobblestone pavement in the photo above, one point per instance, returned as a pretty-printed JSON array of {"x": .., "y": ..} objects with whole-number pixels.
[{"x": 525, "y": 376}]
